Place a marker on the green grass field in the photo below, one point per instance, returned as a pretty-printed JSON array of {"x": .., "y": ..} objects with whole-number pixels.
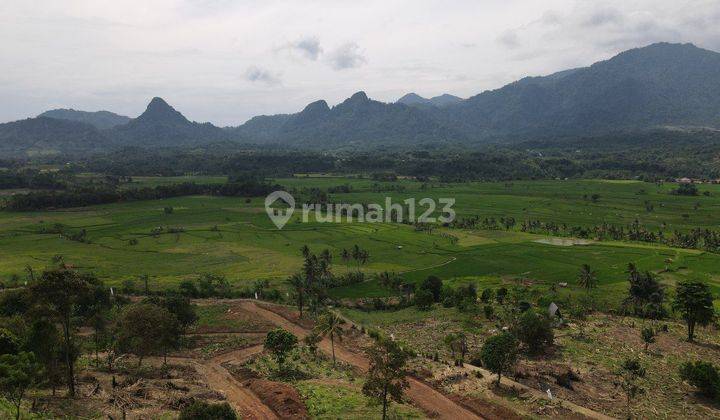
[{"x": 235, "y": 238}]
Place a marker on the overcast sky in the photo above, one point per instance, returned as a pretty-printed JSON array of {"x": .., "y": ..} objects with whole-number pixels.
[{"x": 225, "y": 61}]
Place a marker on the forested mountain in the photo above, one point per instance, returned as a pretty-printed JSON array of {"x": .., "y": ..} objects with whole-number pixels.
[
  {"x": 99, "y": 119},
  {"x": 49, "y": 135},
  {"x": 162, "y": 125},
  {"x": 661, "y": 85}
]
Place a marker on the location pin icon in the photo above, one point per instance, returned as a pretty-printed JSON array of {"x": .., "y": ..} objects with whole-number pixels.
[{"x": 279, "y": 216}]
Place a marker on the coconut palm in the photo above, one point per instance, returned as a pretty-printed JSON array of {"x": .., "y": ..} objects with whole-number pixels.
[
  {"x": 587, "y": 277},
  {"x": 330, "y": 325},
  {"x": 345, "y": 256}
]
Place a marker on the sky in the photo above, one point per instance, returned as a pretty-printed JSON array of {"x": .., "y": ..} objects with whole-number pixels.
[{"x": 225, "y": 61}]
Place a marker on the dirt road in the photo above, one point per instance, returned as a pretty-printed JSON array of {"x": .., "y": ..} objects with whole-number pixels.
[
  {"x": 243, "y": 400},
  {"x": 422, "y": 396}
]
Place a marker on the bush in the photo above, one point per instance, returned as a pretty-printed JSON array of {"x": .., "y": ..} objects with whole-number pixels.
[
  {"x": 200, "y": 410},
  {"x": 704, "y": 376},
  {"x": 424, "y": 299},
  {"x": 489, "y": 311},
  {"x": 434, "y": 285},
  {"x": 487, "y": 295},
  {"x": 534, "y": 331}
]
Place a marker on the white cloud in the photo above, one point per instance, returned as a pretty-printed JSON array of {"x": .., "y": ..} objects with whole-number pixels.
[
  {"x": 347, "y": 56},
  {"x": 257, "y": 74}
]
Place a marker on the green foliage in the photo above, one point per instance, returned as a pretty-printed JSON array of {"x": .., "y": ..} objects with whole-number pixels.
[
  {"x": 487, "y": 295},
  {"x": 145, "y": 329},
  {"x": 694, "y": 301},
  {"x": 330, "y": 325},
  {"x": 648, "y": 336},
  {"x": 18, "y": 372},
  {"x": 424, "y": 299},
  {"x": 280, "y": 342},
  {"x": 685, "y": 189},
  {"x": 45, "y": 342},
  {"x": 645, "y": 295},
  {"x": 386, "y": 376},
  {"x": 499, "y": 353},
  {"x": 587, "y": 278},
  {"x": 200, "y": 410},
  {"x": 434, "y": 285},
  {"x": 178, "y": 305},
  {"x": 67, "y": 295},
  {"x": 703, "y": 375},
  {"x": 8, "y": 342},
  {"x": 489, "y": 311},
  {"x": 500, "y": 295},
  {"x": 631, "y": 370},
  {"x": 535, "y": 331}
]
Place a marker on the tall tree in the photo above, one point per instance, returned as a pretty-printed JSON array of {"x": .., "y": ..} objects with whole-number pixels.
[
  {"x": 499, "y": 353},
  {"x": 694, "y": 301},
  {"x": 145, "y": 329},
  {"x": 297, "y": 282},
  {"x": 330, "y": 325},
  {"x": 386, "y": 376},
  {"x": 44, "y": 341},
  {"x": 63, "y": 292}
]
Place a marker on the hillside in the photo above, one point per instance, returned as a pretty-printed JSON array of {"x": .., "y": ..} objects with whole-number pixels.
[
  {"x": 662, "y": 84},
  {"x": 162, "y": 125},
  {"x": 49, "y": 135},
  {"x": 100, "y": 119}
]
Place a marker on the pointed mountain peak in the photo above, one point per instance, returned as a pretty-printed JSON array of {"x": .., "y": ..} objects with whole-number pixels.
[
  {"x": 312, "y": 112},
  {"x": 160, "y": 111},
  {"x": 359, "y": 96},
  {"x": 317, "y": 106}
]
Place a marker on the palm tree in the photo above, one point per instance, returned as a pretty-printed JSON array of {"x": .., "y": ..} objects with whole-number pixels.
[
  {"x": 356, "y": 252},
  {"x": 587, "y": 278},
  {"x": 297, "y": 282},
  {"x": 330, "y": 325},
  {"x": 364, "y": 255},
  {"x": 345, "y": 256},
  {"x": 326, "y": 256}
]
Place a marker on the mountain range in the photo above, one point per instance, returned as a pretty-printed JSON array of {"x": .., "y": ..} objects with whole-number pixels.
[{"x": 661, "y": 85}]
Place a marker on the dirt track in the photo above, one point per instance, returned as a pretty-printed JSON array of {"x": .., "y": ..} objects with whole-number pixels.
[
  {"x": 423, "y": 396},
  {"x": 243, "y": 400}
]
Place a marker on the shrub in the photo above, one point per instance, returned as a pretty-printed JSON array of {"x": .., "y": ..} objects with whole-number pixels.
[
  {"x": 424, "y": 299},
  {"x": 434, "y": 285},
  {"x": 704, "y": 376},
  {"x": 487, "y": 295},
  {"x": 500, "y": 295},
  {"x": 534, "y": 331},
  {"x": 489, "y": 311},
  {"x": 200, "y": 410}
]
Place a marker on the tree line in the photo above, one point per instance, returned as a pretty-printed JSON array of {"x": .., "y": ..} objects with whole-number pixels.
[{"x": 86, "y": 196}]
